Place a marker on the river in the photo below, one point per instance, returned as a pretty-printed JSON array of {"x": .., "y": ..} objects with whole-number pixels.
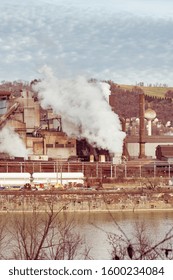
[{"x": 94, "y": 227}]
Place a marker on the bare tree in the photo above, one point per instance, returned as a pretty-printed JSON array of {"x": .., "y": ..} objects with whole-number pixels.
[
  {"x": 29, "y": 234},
  {"x": 46, "y": 236},
  {"x": 3, "y": 239},
  {"x": 64, "y": 242},
  {"x": 141, "y": 246},
  {"x": 138, "y": 245}
]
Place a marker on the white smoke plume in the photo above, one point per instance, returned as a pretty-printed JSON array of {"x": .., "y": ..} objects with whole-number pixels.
[
  {"x": 84, "y": 109},
  {"x": 105, "y": 87},
  {"x": 11, "y": 143}
]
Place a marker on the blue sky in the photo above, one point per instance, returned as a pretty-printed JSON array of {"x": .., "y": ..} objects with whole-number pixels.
[{"x": 126, "y": 41}]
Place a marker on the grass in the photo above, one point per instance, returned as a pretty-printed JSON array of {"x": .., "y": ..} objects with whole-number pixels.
[{"x": 152, "y": 91}]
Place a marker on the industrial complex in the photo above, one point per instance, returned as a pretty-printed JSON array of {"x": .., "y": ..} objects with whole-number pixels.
[
  {"x": 41, "y": 131},
  {"x": 43, "y": 157}
]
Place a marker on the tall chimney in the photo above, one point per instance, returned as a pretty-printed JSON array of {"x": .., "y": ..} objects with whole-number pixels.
[{"x": 141, "y": 126}]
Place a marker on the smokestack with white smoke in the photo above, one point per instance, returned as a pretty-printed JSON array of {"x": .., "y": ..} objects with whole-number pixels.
[
  {"x": 84, "y": 110},
  {"x": 11, "y": 143}
]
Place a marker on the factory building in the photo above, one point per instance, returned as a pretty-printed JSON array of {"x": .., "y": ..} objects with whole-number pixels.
[
  {"x": 40, "y": 130},
  {"x": 151, "y": 145}
]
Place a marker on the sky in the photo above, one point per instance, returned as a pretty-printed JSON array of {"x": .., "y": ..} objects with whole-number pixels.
[{"x": 126, "y": 41}]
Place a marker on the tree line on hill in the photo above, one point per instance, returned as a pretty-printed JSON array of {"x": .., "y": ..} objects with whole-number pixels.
[{"x": 126, "y": 103}]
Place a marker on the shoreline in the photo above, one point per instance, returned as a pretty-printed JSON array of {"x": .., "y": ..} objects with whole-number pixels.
[
  {"x": 93, "y": 211},
  {"x": 86, "y": 202}
]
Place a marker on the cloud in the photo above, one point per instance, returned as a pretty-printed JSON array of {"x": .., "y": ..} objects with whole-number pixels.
[{"x": 91, "y": 37}]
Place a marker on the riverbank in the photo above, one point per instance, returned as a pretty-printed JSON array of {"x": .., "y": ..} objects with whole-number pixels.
[
  {"x": 146, "y": 210},
  {"x": 87, "y": 201}
]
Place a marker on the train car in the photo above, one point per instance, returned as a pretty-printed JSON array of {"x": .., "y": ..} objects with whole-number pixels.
[
  {"x": 55, "y": 178},
  {"x": 14, "y": 179}
]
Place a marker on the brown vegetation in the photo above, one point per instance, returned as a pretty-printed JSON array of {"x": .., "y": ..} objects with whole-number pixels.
[{"x": 126, "y": 103}]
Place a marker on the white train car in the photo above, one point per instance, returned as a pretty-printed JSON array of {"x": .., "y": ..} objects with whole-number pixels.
[
  {"x": 14, "y": 179},
  {"x": 58, "y": 178}
]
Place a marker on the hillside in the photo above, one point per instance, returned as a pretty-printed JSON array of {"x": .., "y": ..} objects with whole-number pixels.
[
  {"x": 125, "y": 98},
  {"x": 125, "y": 101},
  {"x": 150, "y": 90}
]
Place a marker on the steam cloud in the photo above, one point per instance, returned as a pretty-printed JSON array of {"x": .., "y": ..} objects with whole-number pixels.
[
  {"x": 84, "y": 109},
  {"x": 11, "y": 143}
]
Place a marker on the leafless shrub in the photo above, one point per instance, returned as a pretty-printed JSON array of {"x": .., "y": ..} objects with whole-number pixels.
[{"x": 151, "y": 183}]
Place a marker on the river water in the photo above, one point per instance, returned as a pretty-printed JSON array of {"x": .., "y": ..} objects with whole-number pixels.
[{"x": 94, "y": 227}]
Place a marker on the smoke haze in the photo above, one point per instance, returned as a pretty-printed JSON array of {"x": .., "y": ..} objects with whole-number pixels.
[
  {"x": 84, "y": 109},
  {"x": 11, "y": 143}
]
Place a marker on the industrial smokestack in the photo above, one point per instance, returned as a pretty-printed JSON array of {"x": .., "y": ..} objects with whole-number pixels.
[{"x": 141, "y": 125}]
